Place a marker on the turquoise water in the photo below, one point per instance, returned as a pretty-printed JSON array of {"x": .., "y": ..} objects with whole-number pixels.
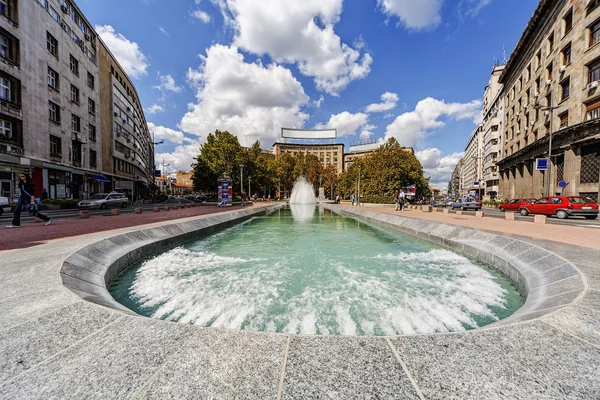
[{"x": 314, "y": 272}]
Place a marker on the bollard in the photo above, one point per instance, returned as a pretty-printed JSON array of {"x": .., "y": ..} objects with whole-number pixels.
[
  {"x": 155, "y": 209},
  {"x": 138, "y": 210},
  {"x": 435, "y": 209},
  {"x": 479, "y": 214},
  {"x": 426, "y": 209},
  {"x": 540, "y": 219},
  {"x": 509, "y": 216},
  {"x": 84, "y": 213},
  {"x": 459, "y": 213},
  {"x": 115, "y": 211},
  {"x": 166, "y": 208},
  {"x": 446, "y": 211}
]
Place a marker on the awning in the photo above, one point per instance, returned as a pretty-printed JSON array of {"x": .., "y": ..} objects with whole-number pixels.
[{"x": 99, "y": 178}]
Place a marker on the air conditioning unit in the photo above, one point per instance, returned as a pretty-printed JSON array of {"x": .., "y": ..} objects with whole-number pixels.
[
  {"x": 88, "y": 37},
  {"x": 547, "y": 113},
  {"x": 517, "y": 114},
  {"x": 562, "y": 69},
  {"x": 532, "y": 123},
  {"x": 536, "y": 94},
  {"x": 64, "y": 9},
  {"x": 593, "y": 85},
  {"x": 526, "y": 128},
  {"x": 116, "y": 114},
  {"x": 128, "y": 109},
  {"x": 63, "y": 25},
  {"x": 548, "y": 82}
]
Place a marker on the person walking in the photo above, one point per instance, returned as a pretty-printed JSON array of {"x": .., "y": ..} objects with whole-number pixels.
[
  {"x": 352, "y": 199},
  {"x": 43, "y": 195},
  {"x": 397, "y": 200},
  {"x": 401, "y": 199},
  {"x": 27, "y": 198}
]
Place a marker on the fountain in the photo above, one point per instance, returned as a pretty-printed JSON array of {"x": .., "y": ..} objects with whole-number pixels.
[{"x": 303, "y": 192}]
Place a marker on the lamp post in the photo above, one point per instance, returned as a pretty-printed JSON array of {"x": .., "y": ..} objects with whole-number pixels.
[
  {"x": 550, "y": 109},
  {"x": 358, "y": 190},
  {"x": 165, "y": 174},
  {"x": 242, "y": 183},
  {"x": 153, "y": 175},
  {"x": 249, "y": 191}
]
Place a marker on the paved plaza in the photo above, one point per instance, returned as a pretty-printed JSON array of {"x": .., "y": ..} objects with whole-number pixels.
[{"x": 62, "y": 335}]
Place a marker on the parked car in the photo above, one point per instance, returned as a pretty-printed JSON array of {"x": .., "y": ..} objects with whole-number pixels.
[
  {"x": 466, "y": 204},
  {"x": 441, "y": 203},
  {"x": 563, "y": 207},
  {"x": 5, "y": 206},
  {"x": 104, "y": 200},
  {"x": 515, "y": 204}
]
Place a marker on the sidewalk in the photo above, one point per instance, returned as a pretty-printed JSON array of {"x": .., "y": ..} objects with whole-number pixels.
[
  {"x": 573, "y": 235},
  {"x": 33, "y": 234}
]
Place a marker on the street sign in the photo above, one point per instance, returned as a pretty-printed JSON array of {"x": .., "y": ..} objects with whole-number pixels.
[
  {"x": 476, "y": 184},
  {"x": 541, "y": 164},
  {"x": 562, "y": 184}
]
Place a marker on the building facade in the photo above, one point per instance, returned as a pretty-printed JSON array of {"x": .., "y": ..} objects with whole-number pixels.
[
  {"x": 328, "y": 154},
  {"x": 492, "y": 125},
  {"x": 362, "y": 149},
  {"x": 455, "y": 184},
  {"x": 551, "y": 95},
  {"x": 472, "y": 167}
]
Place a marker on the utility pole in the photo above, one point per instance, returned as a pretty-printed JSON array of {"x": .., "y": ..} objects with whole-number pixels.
[{"x": 550, "y": 109}]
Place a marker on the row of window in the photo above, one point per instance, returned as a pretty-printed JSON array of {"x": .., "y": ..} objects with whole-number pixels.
[
  {"x": 56, "y": 151},
  {"x": 54, "y": 116},
  {"x": 52, "y": 46}
]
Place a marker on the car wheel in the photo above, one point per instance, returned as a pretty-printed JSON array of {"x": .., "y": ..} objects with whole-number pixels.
[
  {"x": 586, "y": 217},
  {"x": 103, "y": 206},
  {"x": 124, "y": 205},
  {"x": 524, "y": 212},
  {"x": 501, "y": 209},
  {"x": 561, "y": 214},
  {"x": 462, "y": 209}
]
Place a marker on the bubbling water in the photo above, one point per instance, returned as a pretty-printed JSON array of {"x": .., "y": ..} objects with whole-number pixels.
[{"x": 303, "y": 192}]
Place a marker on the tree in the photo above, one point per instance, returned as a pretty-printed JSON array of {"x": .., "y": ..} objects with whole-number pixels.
[{"x": 329, "y": 178}]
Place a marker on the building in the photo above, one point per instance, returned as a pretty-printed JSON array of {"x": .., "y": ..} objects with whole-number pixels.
[
  {"x": 49, "y": 98},
  {"x": 555, "y": 65},
  {"x": 328, "y": 154},
  {"x": 472, "y": 167},
  {"x": 362, "y": 149},
  {"x": 493, "y": 112},
  {"x": 455, "y": 185},
  {"x": 185, "y": 178}
]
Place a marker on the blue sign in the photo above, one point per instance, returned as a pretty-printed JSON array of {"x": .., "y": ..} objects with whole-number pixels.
[
  {"x": 541, "y": 164},
  {"x": 562, "y": 184}
]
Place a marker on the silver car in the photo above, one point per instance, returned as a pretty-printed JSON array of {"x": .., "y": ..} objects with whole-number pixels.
[
  {"x": 103, "y": 201},
  {"x": 4, "y": 205}
]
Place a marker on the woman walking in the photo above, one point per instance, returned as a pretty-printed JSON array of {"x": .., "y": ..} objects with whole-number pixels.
[{"x": 27, "y": 197}]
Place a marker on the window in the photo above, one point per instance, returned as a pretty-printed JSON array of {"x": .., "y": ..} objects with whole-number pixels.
[
  {"x": 43, "y": 3},
  {"x": 4, "y": 7},
  {"x": 564, "y": 120},
  {"x": 549, "y": 100},
  {"x": 549, "y": 71},
  {"x": 593, "y": 111},
  {"x": 92, "y": 132},
  {"x": 568, "y": 19},
  {"x": 54, "y": 112},
  {"x": 53, "y": 79},
  {"x": 91, "y": 107},
  {"x": 90, "y": 81},
  {"x": 52, "y": 44},
  {"x": 566, "y": 86},
  {"x": 537, "y": 85},
  {"x": 590, "y": 164},
  {"x": 538, "y": 59},
  {"x": 5, "y": 89},
  {"x": 75, "y": 37},
  {"x": 4, "y": 47},
  {"x": 550, "y": 43},
  {"x": 74, "y": 94},
  {"x": 6, "y": 129},
  {"x": 55, "y": 146},
  {"x": 74, "y": 65},
  {"x": 593, "y": 4},
  {"x": 93, "y": 163},
  {"x": 75, "y": 123},
  {"x": 566, "y": 55},
  {"x": 594, "y": 72},
  {"x": 54, "y": 14},
  {"x": 595, "y": 33}
]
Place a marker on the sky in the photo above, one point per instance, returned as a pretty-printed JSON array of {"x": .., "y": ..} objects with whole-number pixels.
[{"x": 372, "y": 69}]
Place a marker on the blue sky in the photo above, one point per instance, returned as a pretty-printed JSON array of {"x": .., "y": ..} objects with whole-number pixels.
[{"x": 415, "y": 70}]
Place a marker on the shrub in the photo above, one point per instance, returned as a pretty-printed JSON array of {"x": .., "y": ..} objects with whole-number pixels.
[{"x": 377, "y": 199}]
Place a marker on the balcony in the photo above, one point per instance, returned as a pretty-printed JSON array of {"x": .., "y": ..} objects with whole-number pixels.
[{"x": 11, "y": 109}]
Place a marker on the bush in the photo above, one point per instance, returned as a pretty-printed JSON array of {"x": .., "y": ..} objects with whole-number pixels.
[
  {"x": 377, "y": 199},
  {"x": 492, "y": 203},
  {"x": 62, "y": 202}
]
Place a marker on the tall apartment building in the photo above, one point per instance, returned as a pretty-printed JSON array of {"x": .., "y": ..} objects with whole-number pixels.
[
  {"x": 53, "y": 98},
  {"x": 329, "y": 154},
  {"x": 555, "y": 64},
  {"x": 363, "y": 148},
  {"x": 455, "y": 184},
  {"x": 472, "y": 167},
  {"x": 493, "y": 112}
]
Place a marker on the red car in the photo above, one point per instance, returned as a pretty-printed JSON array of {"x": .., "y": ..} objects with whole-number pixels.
[
  {"x": 563, "y": 207},
  {"x": 515, "y": 204}
]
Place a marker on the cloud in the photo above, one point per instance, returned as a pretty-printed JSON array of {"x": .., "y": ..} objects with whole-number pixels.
[
  {"x": 167, "y": 83},
  {"x": 414, "y": 15},
  {"x": 201, "y": 15},
  {"x": 160, "y": 132},
  {"x": 154, "y": 108},
  {"x": 470, "y": 8},
  {"x": 367, "y": 132},
  {"x": 439, "y": 169},
  {"x": 317, "y": 103},
  {"x": 128, "y": 53},
  {"x": 390, "y": 100},
  {"x": 182, "y": 157},
  {"x": 250, "y": 100},
  {"x": 163, "y": 31},
  {"x": 300, "y": 33},
  {"x": 347, "y": 124},
  {"x": 410, "y": 127}
]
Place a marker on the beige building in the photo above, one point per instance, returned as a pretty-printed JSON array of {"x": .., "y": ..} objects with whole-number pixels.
[
  {"x": 555, "y": 64},
  {"x": 328, "y": 154},
  {"x": 362, "y": 149},
  {"x": 493, "y": 111},
  {"x": 49, "y": 98},
  {"x": 472, "y": 165}
]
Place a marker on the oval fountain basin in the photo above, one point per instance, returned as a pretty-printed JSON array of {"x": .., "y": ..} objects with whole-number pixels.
[{"x": 320, "y": 274}]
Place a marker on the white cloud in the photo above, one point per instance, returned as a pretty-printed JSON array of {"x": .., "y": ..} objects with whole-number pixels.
[
  {"x": 317, "y": 103},
  {"x": 301, "y": 33},
  {"x": 167, "y": 83},
  {"x": 470, "y": 8},
  {"x": 201, "y": 15},
  {"x": 367, "y": 132},
  {"x": 181, "y": 158},
  {"x": 411, "y": 126},
  {"x": 163, "y": 31},
  {"x": 414, "y": 14},
  {"x": 154, "y": 108},
  {"x": 160, "y": 132},
  {"x": 390, "y": 100},
  {"x": 347, "y": 124},
  {"x": 128, "y": 53},
  {"x": 439, "y": 169},
  {"x": 250, "y": 100}
]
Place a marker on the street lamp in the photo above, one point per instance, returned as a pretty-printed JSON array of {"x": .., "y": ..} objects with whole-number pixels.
[
  {"x": 242, "y": 183},
  {"x": 358, "y": 190},
  {"x": 249, "y": 191},
  {"x": 550, "y": 109}
]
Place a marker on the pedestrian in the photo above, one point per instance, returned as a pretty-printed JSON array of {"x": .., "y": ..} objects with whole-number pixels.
[
  {"x": 352, "y": 199},
  {"x": 401, "y": 199},
  {"x": 43, "y": 195},
  {"x": 397, "y": 200},
  {"x": 337, "y": 199},
  {"x": 26, "y": 201}
]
